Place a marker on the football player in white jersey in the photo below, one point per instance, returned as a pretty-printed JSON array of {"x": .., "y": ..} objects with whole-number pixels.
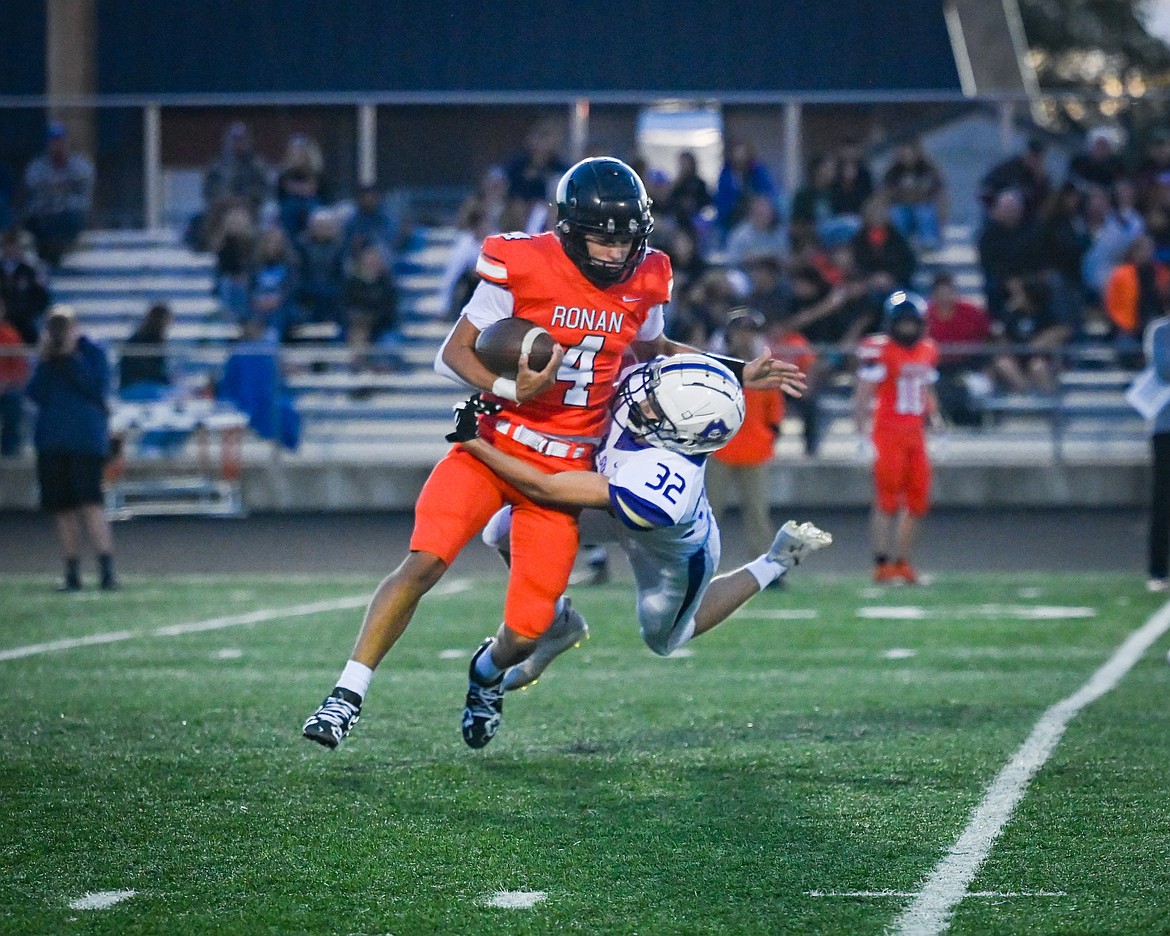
[{"x": 670, "y": 413}]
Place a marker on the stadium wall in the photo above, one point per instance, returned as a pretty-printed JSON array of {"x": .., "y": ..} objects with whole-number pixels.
[{"x": 298, "y": 486}]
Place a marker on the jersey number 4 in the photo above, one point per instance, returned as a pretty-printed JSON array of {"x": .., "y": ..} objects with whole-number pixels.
[{"x": 577, "y": 368}]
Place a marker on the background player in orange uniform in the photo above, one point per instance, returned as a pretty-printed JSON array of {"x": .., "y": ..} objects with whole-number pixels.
[
  {"x": 895, "y": 402},
  {"x": 598, "y": 290}
]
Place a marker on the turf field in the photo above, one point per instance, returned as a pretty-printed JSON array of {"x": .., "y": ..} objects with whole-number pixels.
[{"x": 805, "y": 768}]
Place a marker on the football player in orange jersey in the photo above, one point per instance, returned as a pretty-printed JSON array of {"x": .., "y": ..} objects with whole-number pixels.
[
  {"x": 895, "y": 402},
  {"x": 599, "y": 291}
]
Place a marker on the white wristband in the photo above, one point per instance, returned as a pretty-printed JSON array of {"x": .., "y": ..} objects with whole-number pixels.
[{"x": 505, "y": 389}]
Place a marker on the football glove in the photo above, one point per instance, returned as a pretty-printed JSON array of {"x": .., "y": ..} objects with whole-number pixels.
[{"x": 467, "y": 413}]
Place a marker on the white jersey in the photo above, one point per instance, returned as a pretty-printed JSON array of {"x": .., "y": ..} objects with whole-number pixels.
[{"x": 659, "y": 499}]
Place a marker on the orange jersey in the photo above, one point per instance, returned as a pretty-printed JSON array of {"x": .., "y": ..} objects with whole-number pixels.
[
  {"x": 595, "y": 326},
  {"x": 901, "y": 376}
]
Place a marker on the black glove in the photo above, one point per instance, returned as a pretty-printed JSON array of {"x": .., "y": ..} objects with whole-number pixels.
[{"x": 467, "y": 413}]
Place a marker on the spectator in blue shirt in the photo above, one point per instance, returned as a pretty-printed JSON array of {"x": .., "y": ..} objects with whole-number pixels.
[
  {"x": 742, "y": 176},
  {"x": 69, "y": 386}
]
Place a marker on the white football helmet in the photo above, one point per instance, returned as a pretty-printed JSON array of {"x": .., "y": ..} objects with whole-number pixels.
[{"x": 688, "y": 403}]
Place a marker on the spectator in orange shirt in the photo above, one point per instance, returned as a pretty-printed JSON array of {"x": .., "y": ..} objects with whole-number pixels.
[
  {"x": 742, "y": 463},
  {"x": 1138, "y": 290},
  {"x": 13, "y": 377}
]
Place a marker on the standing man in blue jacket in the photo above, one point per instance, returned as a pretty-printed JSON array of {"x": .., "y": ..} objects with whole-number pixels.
[
  {"x": 69, "y": 386},
  {"x": 1157, "y": 349}
]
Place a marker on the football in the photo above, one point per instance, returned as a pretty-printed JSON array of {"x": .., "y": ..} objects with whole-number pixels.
[{"x": 498, "y": 346}]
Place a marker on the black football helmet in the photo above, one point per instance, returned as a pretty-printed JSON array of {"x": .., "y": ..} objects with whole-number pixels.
[
  {"x": 904, "y": 317},
  {"x": 603, "y": 197}
]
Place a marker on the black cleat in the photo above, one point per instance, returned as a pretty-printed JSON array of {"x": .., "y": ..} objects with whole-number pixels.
[
  {"x": 485, "y": 704},
  {"x": 334, "y": 719}
]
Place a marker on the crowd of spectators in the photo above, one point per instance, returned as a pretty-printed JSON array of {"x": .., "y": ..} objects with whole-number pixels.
[
  {"x": 1065, "y": 256},
  {"x": 296, "y": 262}
]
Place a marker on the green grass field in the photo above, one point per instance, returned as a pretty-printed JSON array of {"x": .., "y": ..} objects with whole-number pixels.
[{"x": 786, "y": 774}]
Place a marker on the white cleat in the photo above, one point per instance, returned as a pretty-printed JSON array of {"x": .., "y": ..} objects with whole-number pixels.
[
  {"x": 567, "y": 631},
  {"x": 796, "y": 540}
]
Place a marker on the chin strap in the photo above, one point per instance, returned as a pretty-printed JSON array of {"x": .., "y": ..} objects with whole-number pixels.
[{"x": 735, "y": 365}]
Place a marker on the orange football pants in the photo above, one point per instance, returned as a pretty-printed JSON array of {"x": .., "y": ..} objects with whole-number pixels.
[
  {"x": 901, "y": 472},
  {"x": 459, "y": 498}
]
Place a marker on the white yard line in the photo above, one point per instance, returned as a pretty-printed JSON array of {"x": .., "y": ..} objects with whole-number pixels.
[
  {"x": 883, "y": 894},
  {"x": 100, "y": 900},
  {"x": 930, "y": 912},
  {"x": 217, "y": 623}
]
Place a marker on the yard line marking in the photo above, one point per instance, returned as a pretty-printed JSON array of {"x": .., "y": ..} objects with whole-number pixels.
[
  {"x": 899, "y": 653},
  {"x": 516, "y": 900},
  {"x": 895, "y": 893},
  {"x": 930, "y": 912},
  {"x": 258, "y": 617},
  {"x": 100, "y": 900},
  {"x": 892, "y": 613},
  {"x": 781, "y": 614},
  {"x": 455, "y": 586},
  {"x": 67, "y": 643}
]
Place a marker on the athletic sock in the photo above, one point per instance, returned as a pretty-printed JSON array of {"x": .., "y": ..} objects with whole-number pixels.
[
  {"x": 559, "y": 607},
  {"x": 486, "y": 671},
  {"x": 73, "y": 572},
  {"x": 356, "y": 678},
  {"x": 106, "y": 568},
  {"x": 765, "y": 571}
]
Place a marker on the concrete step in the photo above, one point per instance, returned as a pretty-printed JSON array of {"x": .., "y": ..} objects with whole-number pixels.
[
  {"x": 150, "y": 237},
  {"x": 129, "y": 260},
  {"x": 122, "y": 285}
]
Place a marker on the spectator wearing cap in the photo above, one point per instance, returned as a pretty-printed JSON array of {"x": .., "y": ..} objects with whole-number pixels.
[
  {"x": 1025, "y": 173},
  {"x": 59, "y": 196},
  {"x": 1100, "y": 163},
  {"x": 22, "y": 287},
  {"x": 69, "y": 386},
  {"x": 741, "y": 466}
]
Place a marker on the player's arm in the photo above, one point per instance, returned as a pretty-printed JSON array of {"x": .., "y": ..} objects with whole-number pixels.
[
  {"x": 566, "y": 488},
  {"x": 762, "y": 373},
  {"x": 863, "y": 405}
]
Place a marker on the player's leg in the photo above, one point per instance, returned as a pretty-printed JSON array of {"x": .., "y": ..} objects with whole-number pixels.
[
  {"x": 888, "y": 471},
  {"x": 567, "y": 630},
  {"x": 68, "y": 525},
  {"x": 917, "y": 501},
  {"x": 543, "y": 544},
  {"x": 729, "y": 592},
  {"x": 671, "y": 578},
  {"x": 457, "y": 500}
]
